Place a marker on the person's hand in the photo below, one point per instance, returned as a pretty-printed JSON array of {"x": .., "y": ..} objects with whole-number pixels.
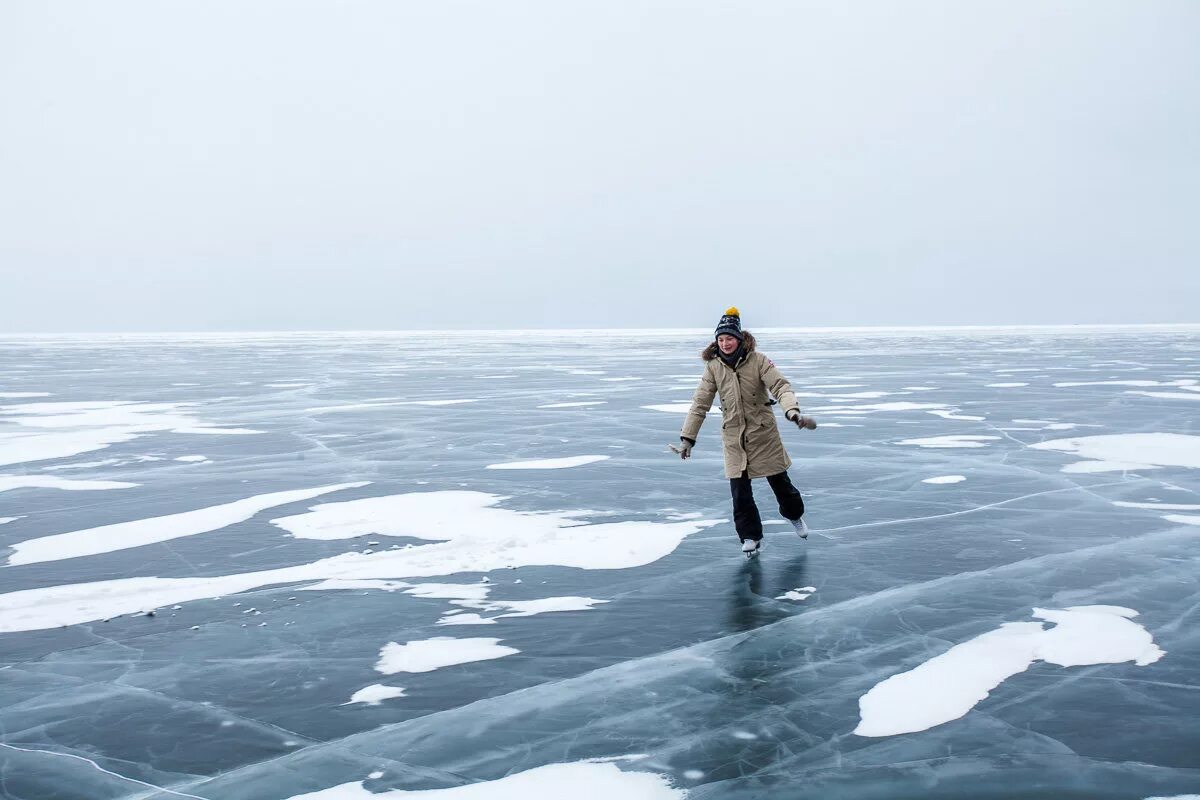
[
  {"x": 684, "y": 449},
  {"x": 801, "y": 422}
]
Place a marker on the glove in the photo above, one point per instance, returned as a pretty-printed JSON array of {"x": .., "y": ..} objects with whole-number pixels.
[
  {"x": 801, "y": 422},
  {"x": 685, "y": 448}
]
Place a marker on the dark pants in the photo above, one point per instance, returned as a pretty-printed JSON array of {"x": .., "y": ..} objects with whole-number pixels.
[{"x": 746, "y": 520}]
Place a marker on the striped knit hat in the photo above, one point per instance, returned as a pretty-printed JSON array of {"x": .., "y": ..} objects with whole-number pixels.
[{"x": 731, "y": 323}]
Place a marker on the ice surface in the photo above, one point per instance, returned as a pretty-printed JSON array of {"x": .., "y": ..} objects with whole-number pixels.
[{"x": 640, "y": 627}]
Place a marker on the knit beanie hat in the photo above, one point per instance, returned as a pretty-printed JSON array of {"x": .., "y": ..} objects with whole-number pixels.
[{"x": 731, "y": 323}]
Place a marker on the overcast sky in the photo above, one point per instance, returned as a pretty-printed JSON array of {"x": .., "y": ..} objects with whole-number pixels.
[{"x": 393, "y": 164}]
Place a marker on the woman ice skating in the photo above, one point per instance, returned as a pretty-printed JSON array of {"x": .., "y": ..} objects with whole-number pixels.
[{"x": 750, "y": 438}]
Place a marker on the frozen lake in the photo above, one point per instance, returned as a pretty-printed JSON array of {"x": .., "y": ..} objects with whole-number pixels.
[{"x": 465, "y": 566}]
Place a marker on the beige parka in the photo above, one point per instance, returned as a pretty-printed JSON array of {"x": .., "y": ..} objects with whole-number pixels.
[{"x": 749, "y": 433}]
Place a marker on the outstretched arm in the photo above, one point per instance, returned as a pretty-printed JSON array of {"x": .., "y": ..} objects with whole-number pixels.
[
  {"x": 779, "y": 386},
  {"x": 782, "y": 390}
]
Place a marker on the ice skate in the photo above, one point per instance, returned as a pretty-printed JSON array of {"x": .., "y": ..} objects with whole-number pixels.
[
  {"x": 801, "y": 527},
  {"x": 751, "y": 548}
]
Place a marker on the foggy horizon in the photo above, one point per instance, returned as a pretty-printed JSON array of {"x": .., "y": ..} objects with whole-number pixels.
[{"x": 279, "y": 166}]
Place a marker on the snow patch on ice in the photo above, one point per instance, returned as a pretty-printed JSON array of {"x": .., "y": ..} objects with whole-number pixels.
[
  {"x": 8, "y": 482},
  {"x": 575, "y": 404},
  {"x": 1121, "y": 383},
  {"x": 1158, "y": 506},
  {"x": 945, "y": 479},
  {"x": 1169, "y": 395},
  {"x": 21, "y": 448},
  {"x": 799, "y": 593},
  {"x": 374, "y": 694},
  {"x": 192, "y": 459},
  {"x": 1182, "y": 519},
  {"x": 587, "y": 780},
  {"x": 1128, "y": 451},
  {"x": 518, "y": 608},
  {"x": 129, "y": 415},
  {"x": 473, "y": 535},
  {"x": 947, "y": 686},
  {"x": 124, "y": 535},
  {"x": 1091, "y": 467},
  {"x": 450, "y": 591},
  {"x": 88, "y": 426},
  {"x": 951, "y": 415},
  {"x": 950, "y": 441},
  {"x": 465, "y": 619},
  {"x": 17, "y": 395},
  {"x": 342, "y": 585},
  {"x": 1006, "y": 385},
  {"x": 550, "y": 463},
  {"x": 876, "y": 407},
  {"x": 678, "y": 408},
  {"x": 439, "y": 402},
  {"x": 427, "y": 655}
]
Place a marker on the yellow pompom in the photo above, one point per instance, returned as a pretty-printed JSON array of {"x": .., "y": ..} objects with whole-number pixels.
[{"x": 732, "y": 312}]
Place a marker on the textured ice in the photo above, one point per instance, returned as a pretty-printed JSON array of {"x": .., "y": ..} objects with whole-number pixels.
[{"x": 640, "y": 627}]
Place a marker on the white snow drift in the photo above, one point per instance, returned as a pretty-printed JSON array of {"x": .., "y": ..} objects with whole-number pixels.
[
  {"x": 945, "y": 479},
  {"x": 8, "y": 482},
  {"x": 947, "y": 686},
  {"x": 471, "y": 535},
  {"x": 959, "y": 441},
  {"x": 1127, "y": 451},
  {"x": 586, "y": 780},
  {"x": 550, "y": 463},
  {"x": 426, "y": 655},
  {"x": 374, "y": 694},
  {"x": 123, "y": 535}
]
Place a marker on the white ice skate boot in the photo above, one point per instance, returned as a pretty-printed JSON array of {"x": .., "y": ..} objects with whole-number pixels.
[
  {"x": 751, "y": 548},
  {"x": 801, "y": 527}
]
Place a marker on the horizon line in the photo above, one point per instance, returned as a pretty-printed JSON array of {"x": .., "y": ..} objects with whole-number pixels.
[{"x": 640, "y": 329}]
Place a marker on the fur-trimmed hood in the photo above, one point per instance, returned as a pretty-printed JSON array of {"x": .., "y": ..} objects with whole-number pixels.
[{"x": 712, "y": 351}]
